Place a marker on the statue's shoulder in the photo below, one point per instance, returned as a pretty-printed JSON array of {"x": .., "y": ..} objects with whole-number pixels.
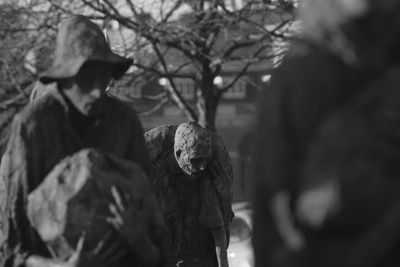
[
  {"x": 220, "y": 152},
  {"x": 47, "y": 112},
  {"x": 159, "y": 140}
]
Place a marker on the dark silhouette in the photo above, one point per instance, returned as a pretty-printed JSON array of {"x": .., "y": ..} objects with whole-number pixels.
[{"x": 327, "y": 185}]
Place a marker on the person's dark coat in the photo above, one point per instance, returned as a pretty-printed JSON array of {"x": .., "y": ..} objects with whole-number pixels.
[{"x": 303, "y": 126}]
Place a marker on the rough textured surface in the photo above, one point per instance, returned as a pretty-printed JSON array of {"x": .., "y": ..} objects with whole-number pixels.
[
  {"x": 74, "y": 200},
  {"x": 192, "y": 148},
  {"x": 42, "y": 135},
  {"x": 191, "y": 138},
  {"x": 79, "y": 40},
  {"x": 192, "y": 208}
]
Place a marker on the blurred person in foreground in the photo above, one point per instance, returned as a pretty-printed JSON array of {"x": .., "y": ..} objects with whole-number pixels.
[
  {"x": 192, "y": 176},
  {"x": 76, "y": 116},
  {"x": 327, "y": 176}
]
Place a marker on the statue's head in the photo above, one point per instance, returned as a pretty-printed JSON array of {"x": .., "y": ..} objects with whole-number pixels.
[
  {"x": 192, "y": 148},
  {"x": 84, "y": 64}
]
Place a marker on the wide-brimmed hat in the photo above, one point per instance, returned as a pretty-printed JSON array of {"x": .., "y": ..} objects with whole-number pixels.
[{"x": 80, "y": 40}]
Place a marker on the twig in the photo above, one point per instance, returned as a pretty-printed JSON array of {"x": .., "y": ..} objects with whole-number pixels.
[{"x": 156, "y": 108}]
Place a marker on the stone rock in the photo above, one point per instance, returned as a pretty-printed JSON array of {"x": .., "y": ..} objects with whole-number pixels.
[{"x": 74, "y": 200}]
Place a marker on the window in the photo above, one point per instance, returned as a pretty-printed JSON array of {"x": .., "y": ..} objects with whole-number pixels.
[
  {"x": 238, "y": 90},
  {"x": 185, "y": 87}
]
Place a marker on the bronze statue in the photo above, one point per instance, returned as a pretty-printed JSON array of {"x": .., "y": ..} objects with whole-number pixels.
[
  {"x": 192, "y": 175},
  {"x": 78, "y": 115}
]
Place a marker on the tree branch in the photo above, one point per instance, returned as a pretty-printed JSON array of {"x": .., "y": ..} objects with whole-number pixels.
[
  {"x": 240, "y": 74},
  {"x": 175, "y": 95},
  {"x": 155, "y": 108}
]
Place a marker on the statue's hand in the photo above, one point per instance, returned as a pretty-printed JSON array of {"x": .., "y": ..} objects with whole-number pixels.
[
  {"x": 132, "y": 222},
  {"x": 104, "y": 255},
  {"x": 129, "y": 220}
]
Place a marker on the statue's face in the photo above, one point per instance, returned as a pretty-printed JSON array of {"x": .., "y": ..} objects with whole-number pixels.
[
  {"x": 193, "y": 166},
  {"x": 87, "y": 88}
]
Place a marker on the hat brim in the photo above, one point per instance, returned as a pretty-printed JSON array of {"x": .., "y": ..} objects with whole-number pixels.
[
  {"x": 121, "y": 65},
  {"x": 70, "y": 68}
]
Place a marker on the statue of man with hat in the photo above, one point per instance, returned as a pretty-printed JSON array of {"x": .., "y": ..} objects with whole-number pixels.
[
  {"x": 192, "y": 176},
  {"x": 77, "y": 115}
]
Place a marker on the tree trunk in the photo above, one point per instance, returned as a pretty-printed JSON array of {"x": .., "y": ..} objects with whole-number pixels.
[{"x": 207, "y": 104}]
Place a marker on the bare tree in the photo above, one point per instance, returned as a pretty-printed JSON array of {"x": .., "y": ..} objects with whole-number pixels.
[
  {"x": 27, "y": 31},
  {"x": 194, "y": 39}
]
